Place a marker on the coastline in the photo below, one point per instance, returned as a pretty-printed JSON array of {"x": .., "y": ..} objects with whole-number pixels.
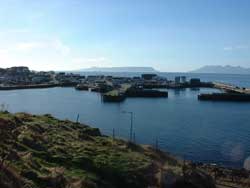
[
  {"x": 160, "y": 166},
  {"x": 232, "y": 93},
  {"x": 38, "y": 86}
]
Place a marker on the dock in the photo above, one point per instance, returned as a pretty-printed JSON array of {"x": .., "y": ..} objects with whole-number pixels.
[
  {"x": 127, "y": 90},
  {"x": 231, "y": 88},
  {"x": 232, "y": 93},
  {"x": 146, "y": 93},
  {"x": 37, "y": 86},
  {"x": 224, "y": 97},
  {"x": 116, "y": 95},
  {"x": 113, "y": 96}
]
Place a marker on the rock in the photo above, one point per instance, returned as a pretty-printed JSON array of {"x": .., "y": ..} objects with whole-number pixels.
[
  {"x": 83, "y": 136},
  {"x": 37, "y": 128},
  {"x": 29, "y": 174},
  {"x": 13, "y": 156},
  {"x": 10, "y": 179},
  {"x": 6, "y": 125},
  {"x": 59, "y": 181},
  {"x": 33, "y": 144},
  {"x": 92, "y": 131},
  {"x": 194, "y": 179}
]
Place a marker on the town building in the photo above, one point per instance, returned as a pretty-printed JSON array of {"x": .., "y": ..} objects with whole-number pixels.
[
  {"x": 183, "y": 79},
  {"x": 195, "y": 81},
  {"x": 148, "y": 76},
  {"x": 177, "y": 79}
]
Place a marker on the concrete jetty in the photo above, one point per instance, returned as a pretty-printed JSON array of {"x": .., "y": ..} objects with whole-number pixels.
[
  {"x": 231, "y": 88},
  {"x": 113, "y": 96},
  {"x": 232, "y": 93},
  {"x": 37, "y": 86},
  {"x": 225, "y": 97},
  {"x": 127, "y": 90},
  {"x": 116, "y": 95}
]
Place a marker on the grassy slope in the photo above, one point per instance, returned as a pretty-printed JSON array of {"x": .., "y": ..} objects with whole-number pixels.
[{"x": 54, "y": 153}]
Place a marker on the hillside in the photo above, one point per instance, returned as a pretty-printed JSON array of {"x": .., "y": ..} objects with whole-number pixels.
[
  {"x": 52, "y": 153},
  {"x": 44, "y": 152},
  {"x": 222, "y": 69}
]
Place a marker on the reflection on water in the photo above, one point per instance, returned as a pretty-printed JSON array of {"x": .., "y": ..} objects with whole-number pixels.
[{"x": 195, "y": 89}]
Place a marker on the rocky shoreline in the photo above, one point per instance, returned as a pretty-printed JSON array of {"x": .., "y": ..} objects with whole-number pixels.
[{"x": 42, "y": 151}]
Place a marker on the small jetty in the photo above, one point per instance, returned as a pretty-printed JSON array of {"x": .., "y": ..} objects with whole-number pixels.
[
  {"x": 101, "y": 88},
  {"x": 225, "y": 97},
  {"x": 231, "y": 93},
  {"x": 135, "y": 92},
  {"x": 116, "y": 95},
  {"x": 127, "y": 90},
  {"x": 231, "y": 88},
  {"x": 83, "y": 87},
  {"x": 38, "y": 86},
  {"x": 113, "y": 96}
]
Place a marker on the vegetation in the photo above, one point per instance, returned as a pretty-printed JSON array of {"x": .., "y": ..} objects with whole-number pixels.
[
  {"x": 44, "y": 152},
  {"x": 41, "y": 151}
]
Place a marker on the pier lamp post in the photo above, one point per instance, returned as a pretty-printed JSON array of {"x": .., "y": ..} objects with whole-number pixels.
[{"x": 131, "y": 124}]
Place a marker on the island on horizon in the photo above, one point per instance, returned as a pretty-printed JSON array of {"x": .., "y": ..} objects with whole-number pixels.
[
  {"x": 118, "y": 69},
  {"x": 219, "y": 69}
]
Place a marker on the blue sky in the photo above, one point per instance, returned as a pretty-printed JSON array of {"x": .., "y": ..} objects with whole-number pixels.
[{"x": 170, "y": 35}]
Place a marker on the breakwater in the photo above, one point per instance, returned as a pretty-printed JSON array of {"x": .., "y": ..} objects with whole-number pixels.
[
  {"x": 146, "y": 93},
  {"x": 225, "y": 97},
  {"x": 119, "y": 96},
  {"x": 37, "y": 86},
  {"x": 113, "y": 98},
  {"x": 173, "y": 85},
  {"x": 29, "y": 86},
  {"x": 231, "y": 88}
]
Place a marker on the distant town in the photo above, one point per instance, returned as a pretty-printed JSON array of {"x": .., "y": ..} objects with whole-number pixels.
[
  {"x": 113, "y": 88},
  {"x": 23, "y": 76}
]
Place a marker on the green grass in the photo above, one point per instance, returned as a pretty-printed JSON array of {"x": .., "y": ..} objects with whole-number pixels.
[{"x": 45, "y": 143}]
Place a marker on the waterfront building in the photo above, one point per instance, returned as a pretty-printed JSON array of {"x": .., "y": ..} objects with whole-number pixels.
[
  {"x": 183, "y": 79},
  {"x": 18, "y": 70},
  {"x": 195, "y": 81},
  {"x": 61, "y": 73},
  {"x": 148, "y": 76},
  {"x": 93, "y": 78},
  {"x": 177, "y": 79},
  {"x": 109, "y": 78}
]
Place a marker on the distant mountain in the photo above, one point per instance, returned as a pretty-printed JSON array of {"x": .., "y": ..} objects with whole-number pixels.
[
  {"x": 222, "y": 69},
  {"x": 118, "y": 69}
]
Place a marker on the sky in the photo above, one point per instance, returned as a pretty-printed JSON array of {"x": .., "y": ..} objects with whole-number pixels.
[{"x": 169, "y": 35}]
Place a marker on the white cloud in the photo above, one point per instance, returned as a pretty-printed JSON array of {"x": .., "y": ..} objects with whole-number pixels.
[
  {"x": 28, "y": 46},
  {"x": 90, "y": 62},
  {"x": 228, "y": 48},
  {"x": 14, "y": 31},
  {"x": 4, "y": 51},
  {"x": 239, "y": 47},
  {"x": 6, "y": 59},
  {"x": 22, "y": 47},
  {"x": 56, "y": 45},
  {"x": 64, "y": 49},
  {"x": 46, "y": 55}
]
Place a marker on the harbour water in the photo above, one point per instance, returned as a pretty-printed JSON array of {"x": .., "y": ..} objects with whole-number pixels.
[{"x": 205, "y": 131}]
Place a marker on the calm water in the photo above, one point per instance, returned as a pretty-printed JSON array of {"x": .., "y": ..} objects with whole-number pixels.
[{"x": 214, "y": 132}]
